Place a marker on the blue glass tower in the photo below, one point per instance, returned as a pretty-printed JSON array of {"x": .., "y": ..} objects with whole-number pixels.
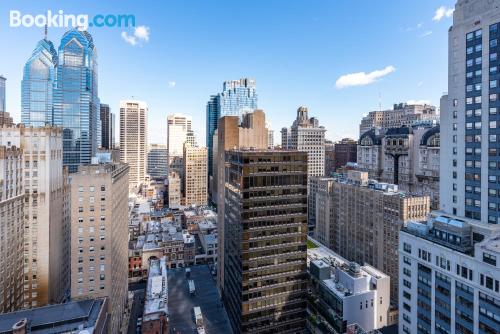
[
  {"x": 2, "y": 94},
  {"x": 38, "y": 84},
  {"x": 76, "y": 102},
  {"x": 237, "y": 97}
]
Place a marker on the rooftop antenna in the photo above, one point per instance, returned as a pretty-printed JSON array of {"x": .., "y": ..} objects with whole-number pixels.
[{"x": 45, "y": 32}]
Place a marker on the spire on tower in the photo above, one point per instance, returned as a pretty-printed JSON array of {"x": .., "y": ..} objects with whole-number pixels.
[{"x": 45, "y": 32}]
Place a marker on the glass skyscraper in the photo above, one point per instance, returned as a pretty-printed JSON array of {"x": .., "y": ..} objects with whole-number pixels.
[
  {"x": 76, "y": 103},
  {"x": 2, "y": 94},
  {"x": 237, "y": 97},
  {"x": 38, "y": 85}
]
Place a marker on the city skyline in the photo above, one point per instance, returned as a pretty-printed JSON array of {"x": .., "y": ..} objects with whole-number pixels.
[{"x": 329, "y": 55}]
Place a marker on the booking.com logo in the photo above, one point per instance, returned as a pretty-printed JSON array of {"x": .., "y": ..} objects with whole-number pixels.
[{"x": 60, "y": 20}]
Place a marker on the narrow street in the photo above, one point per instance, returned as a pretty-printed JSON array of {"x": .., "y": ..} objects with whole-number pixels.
[{"x": 137, "y": 305}]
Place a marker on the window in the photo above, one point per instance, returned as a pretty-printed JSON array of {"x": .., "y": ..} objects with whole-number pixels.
[
  {"x": 490, "y": 259},
  {"x": 407, "y": 247}
]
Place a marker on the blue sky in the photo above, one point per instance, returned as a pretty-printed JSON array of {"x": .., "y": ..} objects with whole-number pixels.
[{"x": 296, "y": 50}]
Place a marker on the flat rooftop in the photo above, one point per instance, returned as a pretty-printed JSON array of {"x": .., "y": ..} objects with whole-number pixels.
[
  {"x": 181, "y": 303},
  {"x": 59, "y": 318}
]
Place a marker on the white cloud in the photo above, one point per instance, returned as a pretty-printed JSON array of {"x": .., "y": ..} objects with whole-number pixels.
[
  {"x": 413, "y": 102},
  {"x": 129, "y": 39},
  {"x": 362, "y": 78},
  {"x": 425, "y": 34},
  {"x": 419, "y": 25},
  {"x": 141, "y": 34},
  {"x": 442, "y": 12},
  {"x": 171, "y": 84}
]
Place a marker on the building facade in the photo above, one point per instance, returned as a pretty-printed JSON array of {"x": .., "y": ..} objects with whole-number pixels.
[
  {"x": 363, "y": 220},
  {"x": 265, "y": 218},
  {"x": 345, "y": 294},
  {"x": 405, "y": 156},
  {"x": 76, "y": 101},
  {"x": 37, "y": 86},
  {"x": 12, "y": 199},
  {"x": 46, "y": 211},
  {"x": 3, "y": 107},
  {"x": 179, "y": 131},
  {"x": 307, "y": 135},
  {"x": 470, "y": 117},
  {"x": 99, "y": 234},
  {"x": 107, "y": 127},
  {"x": 237, "y": 97},
  {"x": 195, "y": 175},
  {"x": 329, "y": 158},
  {"x": 233, "y": 133},
  {"x": 174, "y": 190},
  {"x": 134, "y": 139},
  {"x": 402, "y": 114},
  {"x": 345, "y": 151},
  {"x": 158, "y": 161},
  {"x": 449, "y": 276}
]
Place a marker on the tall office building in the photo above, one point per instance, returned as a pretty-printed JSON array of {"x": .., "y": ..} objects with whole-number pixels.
[
  {"x": 270, "y": 141},
  {"x": 3, "y": 107},
  {"x": 37, "y": 87},
  {"x": 76, "y": 102},
  {"x": 265, "y": 259},
  {"x": 306, "y": 135},
  {"x": 402, "y": 114},
  {"x": 158, "y": 161},
  {"x": 449, "y": 268},
  {"x": 12, "y": 199},
  {"x": 470, "y": 121},
  {"x": 134, "y": 139},
  {"x": 195, "y": 175},
  {"x": 99, "y": 234},
  {"x": 237, "y": 97},
  {"x": 233, "y": 132},
  {"x": 46, "y": 211},
  {"x": 178, "y": 133},
  {"x": 5, "y": 118},
  {"x": 360, "y": 220},
  {"x": 449, "y": 276},
  {"x": 107, "y": 127}
]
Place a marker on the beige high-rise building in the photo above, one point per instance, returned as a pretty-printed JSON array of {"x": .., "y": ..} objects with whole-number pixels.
[
  {"x": 195, "y": 175},
  {"x": 46, "y": 212},
  {"x": 402, "y": 114},
  {"x": 174, "y": 190},
  {"x": 11, "y": 228},
  {"x": 360, "y": 220},
  {"x": 179, "y": 132},
  {"x": 232, "y": 133},
  {"x": 307, "y": 135},
  {"x": 99, "y": 234},
  {"x": 134, "y": 139}
]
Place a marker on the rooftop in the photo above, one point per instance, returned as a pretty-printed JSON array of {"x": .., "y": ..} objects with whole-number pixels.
[
  {"x": 157, "y": 290},
  {"x": 346, "y": 278},
  {"x": 455, "y": 232},
  {"x": 72, "y": 317},
  {"x": 181, "y": 302}
]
